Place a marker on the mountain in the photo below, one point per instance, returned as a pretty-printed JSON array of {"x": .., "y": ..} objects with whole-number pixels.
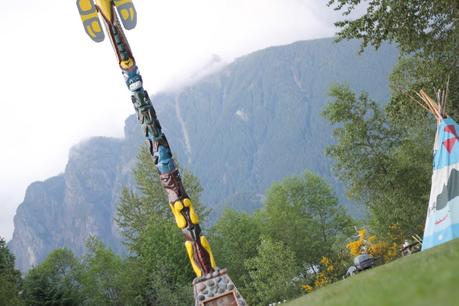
[{"x": 238, "y": 130}]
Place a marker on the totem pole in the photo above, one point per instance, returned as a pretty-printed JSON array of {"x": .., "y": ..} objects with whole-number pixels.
[{"x": 212, "y": 286}]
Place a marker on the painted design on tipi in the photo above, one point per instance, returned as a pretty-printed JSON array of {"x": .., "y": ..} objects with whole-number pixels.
[{"x": 442, "y": 222}]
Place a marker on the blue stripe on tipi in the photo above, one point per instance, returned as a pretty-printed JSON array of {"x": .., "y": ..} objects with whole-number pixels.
[{"x": 440, "y": 237}]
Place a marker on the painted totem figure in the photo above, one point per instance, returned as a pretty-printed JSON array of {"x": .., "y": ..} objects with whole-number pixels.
[
  {"x": 212, "y": 286},
  {"x": 187, "y": 220}
]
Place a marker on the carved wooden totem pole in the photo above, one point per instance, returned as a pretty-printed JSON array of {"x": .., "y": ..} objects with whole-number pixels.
[{"x": 212, "y": 286}]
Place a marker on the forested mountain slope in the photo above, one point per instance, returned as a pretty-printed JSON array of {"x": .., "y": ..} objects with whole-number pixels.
[{"x": 253, "y": 122}]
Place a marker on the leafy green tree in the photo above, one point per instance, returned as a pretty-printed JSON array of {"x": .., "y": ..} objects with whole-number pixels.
[
  {"x": 56, "y": 281},
  {"x": 383, "y": 166},
  {"x": 235, "y": 238},
  {"x": 166, "y": 267},
  {"x": 138, "y": 207},
  {"x": 427, "y": 33},
  {"x": 158, "y": 257},
  {"x": 391, "y": 172},
  {"x": 10, "y": 278},
  {"x": 103, "y": 277},
  {"x": 271, "y": 273},
  {"x": 304, "y": 214},
  {"x": 426, "y": 27}
]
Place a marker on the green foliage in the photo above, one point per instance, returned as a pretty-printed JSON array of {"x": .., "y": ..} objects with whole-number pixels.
[
  {"x": 301, "y": 222},
  {"x": 160, "y": 268},
  {"x": 385, "y": 167},
  {"x": 427, "y": 33},
  {"x": 271, "y": 273},
  {"x": 10, "y": 278},
  {"x": 384, "y": 156},
  {"x": 140, "y": 207},
  {"x": 104, "y": 280},
  {"x": 166, "y": 268},
  {"x": 56, "y": 281},
  {"x": 427, "y": 27},
  {"x": 235, "y": 238},
  {"x": 304, "y": 214}
]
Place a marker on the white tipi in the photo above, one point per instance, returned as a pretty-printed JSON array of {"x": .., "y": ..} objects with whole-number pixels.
[{"x": 442, "y": 223}]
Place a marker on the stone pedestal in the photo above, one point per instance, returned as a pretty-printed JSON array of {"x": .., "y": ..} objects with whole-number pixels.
[{"x": 216, "y": 289}]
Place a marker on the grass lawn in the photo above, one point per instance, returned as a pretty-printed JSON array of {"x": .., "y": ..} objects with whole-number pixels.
[{"x": 429, "y": 278}]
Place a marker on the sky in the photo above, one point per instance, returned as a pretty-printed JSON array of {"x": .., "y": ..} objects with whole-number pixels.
[{"x": 58, "y": 87}]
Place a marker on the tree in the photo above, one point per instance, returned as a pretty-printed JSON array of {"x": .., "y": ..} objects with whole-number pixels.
[
  {"x": 391, "y": 175},
  {"x": 429, "y": 28},
  {"x": 158, "y": 257},
  {"x": 166, "y": 270},
  {"x": 235, "y": 238},
  {"x": 56, "y": 281},
  {"x": 10, "y": 278},
  {"x": 103, "y": 277},
  {"x": 304, "y": 214},
  {"x": 138, "y": 207},
  {"x": 427, "y": 33},
  {"x": 271, "y": 273},
  {"x": 383, "y": 166}
]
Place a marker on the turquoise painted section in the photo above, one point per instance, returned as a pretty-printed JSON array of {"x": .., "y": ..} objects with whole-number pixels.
[
  {"x": 445, "y": 235},
  {"x": 165, "y": 162}
]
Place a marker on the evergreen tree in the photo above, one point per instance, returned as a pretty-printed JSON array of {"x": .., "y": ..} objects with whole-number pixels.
[
  {"x": 104, "y": 280},
  {"x": 10, "y": 278},
  {"x": 56, "y": 281},
  {"x": 158, "y": 258}
]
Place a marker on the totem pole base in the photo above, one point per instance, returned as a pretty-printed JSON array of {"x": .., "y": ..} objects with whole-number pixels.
[{"x": 216, "y": 289}]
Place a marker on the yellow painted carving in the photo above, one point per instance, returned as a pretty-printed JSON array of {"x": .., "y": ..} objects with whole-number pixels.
[
  {"x": 96, "y": 26},
  {"x": 132, "y": 13},
  {"x": 189, "y": 250},
  {"x": 178, "y": 206},
  {"x": 90, "y": 31},
  {"x": 105, "y": 8},
  {"x": 127, "y": 64},
  {"x": 85, "y": 5},
  {"x": 89, "y": 16},
  {"x": 193, "y": 215},
  {"x": 206, "y": 246},
  {"x": 124, "y": 14},
  {"x": 187, "y": 202},
  {"x": 121, "y": 2},
  {"x": 179, "y": 219}
]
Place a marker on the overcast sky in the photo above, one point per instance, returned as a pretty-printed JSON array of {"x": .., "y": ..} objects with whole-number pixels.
[{"x": 57, "y": 87}]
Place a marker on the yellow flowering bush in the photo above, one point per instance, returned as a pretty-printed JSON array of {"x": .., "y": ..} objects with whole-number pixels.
[
  {"x": 308, "y": 288},
  {"x": 375, "y": 247},
  {"x": 324, "y": 277}
]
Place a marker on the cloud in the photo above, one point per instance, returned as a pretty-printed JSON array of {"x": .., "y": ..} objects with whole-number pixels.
[{"x": 58, "y": 87}]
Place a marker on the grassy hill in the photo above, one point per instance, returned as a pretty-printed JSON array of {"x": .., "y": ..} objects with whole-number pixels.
[{"x": 426, "y": 278}]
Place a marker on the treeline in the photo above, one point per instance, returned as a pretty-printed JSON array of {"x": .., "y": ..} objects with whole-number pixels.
[
  {"x": 298, "y": 238},
  {"x": 384, "y": 153},
  {"x": 270, "y": 254}
]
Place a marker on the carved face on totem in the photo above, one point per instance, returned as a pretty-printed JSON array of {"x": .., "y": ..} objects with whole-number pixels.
[{"x": 133, "y": 79}]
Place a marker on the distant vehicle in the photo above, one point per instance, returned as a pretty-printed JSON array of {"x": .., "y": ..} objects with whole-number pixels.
[{"x": 361, "y": 262}]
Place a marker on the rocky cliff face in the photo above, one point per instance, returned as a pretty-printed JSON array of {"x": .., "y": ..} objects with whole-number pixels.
[{"x": 253, "y": 122}]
